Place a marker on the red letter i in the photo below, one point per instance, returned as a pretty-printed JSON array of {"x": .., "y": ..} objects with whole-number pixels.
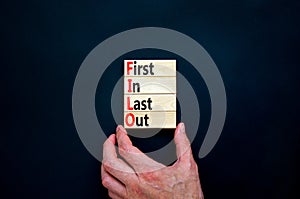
[{"x": 129, "y": 85}]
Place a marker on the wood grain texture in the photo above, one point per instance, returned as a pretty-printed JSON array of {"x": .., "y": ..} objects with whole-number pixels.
[
  {"x": 148, "y": 85},
  {"x": 160, "y": 68},
  {"x": 156, "y": 119},
  {"x": 166, "y": 102}
]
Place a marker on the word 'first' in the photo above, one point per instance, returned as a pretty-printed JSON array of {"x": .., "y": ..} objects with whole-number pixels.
[{"x": 139, "y": 69}]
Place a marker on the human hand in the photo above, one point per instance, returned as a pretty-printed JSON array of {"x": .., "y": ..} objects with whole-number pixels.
[{"x": 142, "y": 177}]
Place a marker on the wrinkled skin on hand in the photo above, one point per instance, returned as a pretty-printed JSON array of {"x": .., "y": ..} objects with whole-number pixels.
[{"x": 141, "y": 177}]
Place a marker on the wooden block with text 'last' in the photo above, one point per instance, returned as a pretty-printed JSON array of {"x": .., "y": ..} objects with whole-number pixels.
[{"x": 150, "y": 94}]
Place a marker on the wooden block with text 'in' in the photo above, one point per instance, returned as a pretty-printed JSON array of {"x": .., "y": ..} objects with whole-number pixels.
[{"x": 150, "y": 93}]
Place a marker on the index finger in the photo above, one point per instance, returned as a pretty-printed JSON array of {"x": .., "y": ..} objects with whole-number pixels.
[
  {"x": 140, "y": 162},
  {"x": 115, "y": 166},
  {"x": 109, "y": 151}
]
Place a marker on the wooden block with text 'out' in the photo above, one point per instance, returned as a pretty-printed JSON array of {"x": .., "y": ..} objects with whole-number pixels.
[
  {"x": 150, "y": 119},
  {"x": 150, "y": 93}
]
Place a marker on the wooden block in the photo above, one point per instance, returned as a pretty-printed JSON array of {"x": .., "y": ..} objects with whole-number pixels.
[
  {"x": 150, "y": 68},
  {"x": 148, "y": 85},
  {"x": 166, "y": 102},
  {"x": 150, "y": 93},
  {"x": 149, "y": 120}
]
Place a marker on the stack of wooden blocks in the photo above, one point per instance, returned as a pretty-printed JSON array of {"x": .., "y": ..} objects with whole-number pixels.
[{"x": 149, "y": 94}]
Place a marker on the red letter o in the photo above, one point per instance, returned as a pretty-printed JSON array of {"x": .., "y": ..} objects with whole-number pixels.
[{"x": 132, "y": 118}]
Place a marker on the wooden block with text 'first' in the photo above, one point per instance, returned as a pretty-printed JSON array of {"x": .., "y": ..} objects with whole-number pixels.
[{"x": 149, "y": 94}]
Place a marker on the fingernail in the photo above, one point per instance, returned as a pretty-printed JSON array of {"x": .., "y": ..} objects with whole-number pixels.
[
  {"x": 120, "y": 128},
  {"x": 182, "y": 128}
]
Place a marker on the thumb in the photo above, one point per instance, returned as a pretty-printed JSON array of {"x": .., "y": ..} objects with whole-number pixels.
[{"x": 183, "y": 146}]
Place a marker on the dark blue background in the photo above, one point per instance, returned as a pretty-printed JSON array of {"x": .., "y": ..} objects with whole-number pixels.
[{"x": 255, "y": 44}]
